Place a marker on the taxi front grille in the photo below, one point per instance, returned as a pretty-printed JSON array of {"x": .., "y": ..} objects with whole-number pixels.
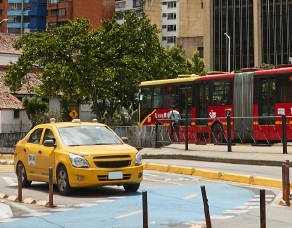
[
  {"x": 105, "y": 177},
  {"x": 113, "y": 164}
]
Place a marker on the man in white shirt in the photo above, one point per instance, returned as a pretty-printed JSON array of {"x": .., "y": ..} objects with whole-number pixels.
[{"x": 174, "y": 117}]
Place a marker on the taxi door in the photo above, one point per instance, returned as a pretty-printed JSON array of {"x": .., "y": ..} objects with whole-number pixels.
[
  {"x": 45, "y": 157},
  {"x": 31, "y": 149}
]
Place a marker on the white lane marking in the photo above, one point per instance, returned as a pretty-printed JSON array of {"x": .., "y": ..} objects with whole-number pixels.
[
  {"x": 237, "y": 212},
  {"x": 190, "y": 196},
  {"x": 267, "y": 196},
  {"x": 148, "y": 174},
  {"x": 10, "y": 180},
  {"x": 116, "y": 197},
  {"x": 85, "y": 205},
  {"x": 36, "y": 214},
  {"x": 222, "y": 216},
  {"x": 162, "y": 181},
  {"x": 129, "y": 214},
  {"x": 103, "y": 201}
]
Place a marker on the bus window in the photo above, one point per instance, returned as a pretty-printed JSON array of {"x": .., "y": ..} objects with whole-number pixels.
[
  {"x": 285, "y": 83},
  {"x": 157, "y": 97},
  {"x": 145, "y": 97},
  {"x": 168, "y": 96},
  {"x": 267, "y": 102},
  {"x": 221, "y": 92}
]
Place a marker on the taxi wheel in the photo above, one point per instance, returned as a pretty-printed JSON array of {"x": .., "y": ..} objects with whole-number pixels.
[
  {"x": 64, "y": 187},
  {"x": 131, "y": 187},
  {"x": 25, "y": 182}
]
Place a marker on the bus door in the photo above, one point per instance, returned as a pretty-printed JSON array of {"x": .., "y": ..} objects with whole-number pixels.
[
  {"x": 202, "y": 101},
  {"x": 267, "y": 87},
  {"x": 185, "y": 102}
]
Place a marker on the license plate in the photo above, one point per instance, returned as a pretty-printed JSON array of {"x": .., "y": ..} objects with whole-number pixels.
[{"x": 117, "y": 175}]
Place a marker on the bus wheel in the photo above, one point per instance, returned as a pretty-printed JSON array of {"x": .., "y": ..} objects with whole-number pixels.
[{"x": 217, "y": 134}]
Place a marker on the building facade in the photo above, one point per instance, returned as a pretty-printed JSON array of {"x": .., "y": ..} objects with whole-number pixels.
[
  {"x": 229, "y": 34},
  {"x": 60, "y": 11}
]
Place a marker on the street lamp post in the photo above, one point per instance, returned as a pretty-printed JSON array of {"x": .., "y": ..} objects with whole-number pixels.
[{"x": 228, "y": 37}]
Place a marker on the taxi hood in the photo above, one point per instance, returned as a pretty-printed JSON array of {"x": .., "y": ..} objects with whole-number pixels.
[{"x": 101, "y": 149}]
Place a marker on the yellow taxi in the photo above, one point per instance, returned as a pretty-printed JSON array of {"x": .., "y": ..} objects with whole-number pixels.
[{"x": 81, "y": 154}]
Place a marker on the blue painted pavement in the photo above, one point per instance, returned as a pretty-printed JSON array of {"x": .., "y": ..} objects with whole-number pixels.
[{"x": 166, "y": 207}]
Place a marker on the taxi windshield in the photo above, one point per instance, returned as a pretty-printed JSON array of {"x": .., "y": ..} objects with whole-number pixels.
[{"x": 87, "y": 135}]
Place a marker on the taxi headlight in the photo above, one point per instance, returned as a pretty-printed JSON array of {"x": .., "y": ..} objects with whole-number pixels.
[
  {"x": 138, "y": 160},
  {"x": 78, "y": 161}
]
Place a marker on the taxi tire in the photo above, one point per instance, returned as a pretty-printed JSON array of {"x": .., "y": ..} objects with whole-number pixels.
[
  {"x": 63, "y": 185},
  {"x": 131, "y": 187},
  {"x": 25, "y": 183}
]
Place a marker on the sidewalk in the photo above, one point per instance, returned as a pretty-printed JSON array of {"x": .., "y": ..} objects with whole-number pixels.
[{"x": 241, "y": 154}]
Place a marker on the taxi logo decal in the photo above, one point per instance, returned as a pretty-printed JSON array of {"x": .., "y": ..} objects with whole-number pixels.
[{"x": 31, "y": 159}]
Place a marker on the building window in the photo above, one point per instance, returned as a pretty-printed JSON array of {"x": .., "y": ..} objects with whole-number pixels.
[
  {"x": 164, "y": 3},
  {"x": 164, "y": 26},
  {"x": 164, "y": 15},
  {"x": 54, "y": 12},
  {"x": 137, "y": 3},
  {"x": 120, "y": 4},
  {"x": 119, "y": 16},
  {"x": 164, "y": 38},
  {"x": 171, "y": 28},
  {"x": 201, "y": 52},
  {"x": 62, "y": 13},
  {"x": 171, "y": 4},
  {"x": 171, "y": 39},
  {"x": 16, "y": 113},
  {"x": 52, "y": 25},
  {"x": 171, "y": 16},
  {"x": 53, "y": 2}
]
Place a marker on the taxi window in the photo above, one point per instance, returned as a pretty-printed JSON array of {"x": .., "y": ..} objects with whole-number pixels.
[
  {"x": 87, "y": 135},
  {"x": 49, "y": 135},
  {"x": 35, "y": 137}
]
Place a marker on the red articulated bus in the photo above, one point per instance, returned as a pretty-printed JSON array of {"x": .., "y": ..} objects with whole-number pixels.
[{"x": 255, "y": 99}]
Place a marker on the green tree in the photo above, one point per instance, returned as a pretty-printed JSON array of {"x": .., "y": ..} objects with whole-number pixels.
[
  {"x": 36, "y": 110},
  {"x": 84, "y": 64},
  {"x": 197, "y": 64}
]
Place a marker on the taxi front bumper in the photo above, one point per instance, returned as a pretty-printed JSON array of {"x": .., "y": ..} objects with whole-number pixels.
[{"x": 90, "y": 177}]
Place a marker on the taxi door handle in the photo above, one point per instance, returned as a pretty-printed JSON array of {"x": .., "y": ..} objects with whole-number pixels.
[{"x": 40, "y": 151}]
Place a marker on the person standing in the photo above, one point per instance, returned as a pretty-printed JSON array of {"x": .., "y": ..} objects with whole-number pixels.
[{"x": 174, "y": 117}]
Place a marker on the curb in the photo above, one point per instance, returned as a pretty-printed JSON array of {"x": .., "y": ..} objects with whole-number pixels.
[
  {"x": 214, "y": 175},
  {"x": 212, "y": 159}
]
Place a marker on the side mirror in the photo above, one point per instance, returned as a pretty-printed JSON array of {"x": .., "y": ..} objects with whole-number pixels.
[
  {"x": 125, "y": 139},
  {"x": 49, "y": 142}
]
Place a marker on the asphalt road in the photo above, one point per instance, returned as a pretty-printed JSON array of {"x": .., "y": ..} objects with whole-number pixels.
[{"x": 173, "y": 201}]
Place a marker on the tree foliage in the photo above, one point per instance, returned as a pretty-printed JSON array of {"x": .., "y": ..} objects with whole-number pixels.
[
  {"x": 35, "y": 110},
  {"x": 104, "y": 66},
  {"x": 83, "y": 65}
]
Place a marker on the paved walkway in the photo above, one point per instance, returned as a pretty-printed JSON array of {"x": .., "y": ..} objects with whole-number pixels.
[{"x": 252, "y": 155}]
